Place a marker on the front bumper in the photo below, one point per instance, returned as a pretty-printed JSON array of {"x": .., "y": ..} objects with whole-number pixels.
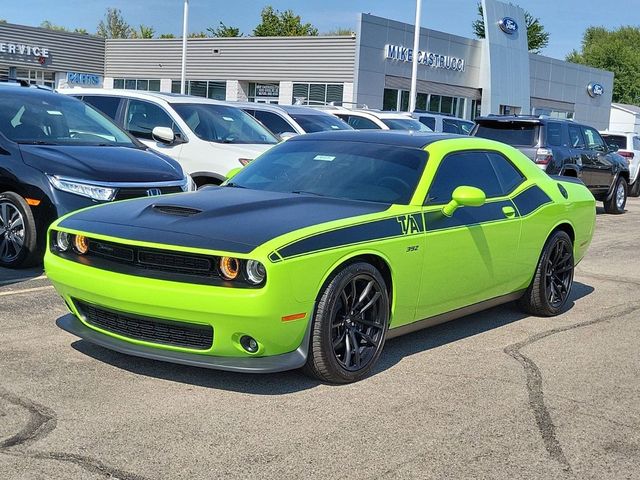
[{"x": 276, "y": 363}]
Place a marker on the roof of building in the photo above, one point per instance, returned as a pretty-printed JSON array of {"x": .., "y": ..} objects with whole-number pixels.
[{"x": 635, "y": 109}]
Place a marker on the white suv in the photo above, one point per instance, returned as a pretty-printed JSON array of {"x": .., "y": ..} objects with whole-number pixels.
[
  {"x": 366, "y": 119},
  {"x": 629, "y": 147},
  {"x": 207, "y": 137},
  {"x": 444, "y": 123}
]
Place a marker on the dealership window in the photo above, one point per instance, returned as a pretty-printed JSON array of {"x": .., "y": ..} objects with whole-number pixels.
[
  {"x": 264, "y": 92},
  {"x": 136, "y": 84},
  {"x": 398, "y": 100},
  {"x": 552, "y": 113},
  {"x": 318, "y": 93},
  {"x": 214, "y": 89},
  {"x": 36, "y": 77}
]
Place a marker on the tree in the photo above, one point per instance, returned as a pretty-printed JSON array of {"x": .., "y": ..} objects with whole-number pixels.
[
  {"x": 617, "y": 51},
  {"x": 114, "y": 25},
  {"x": 339, "y": 32},
  {"x": 224, "y": 31},
  {"x": 167, "y": 35},
  {"x": 198, "y": 35},
  {"x": 537, "y": 36},
  {"x": 51, "y": 26},
  {"x": 282, "y": 24},
  {"x": 143, "y": 32}
]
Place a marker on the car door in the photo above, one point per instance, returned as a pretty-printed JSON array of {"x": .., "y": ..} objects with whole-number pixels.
[
  {"x": 581, "y": 155},
  {"x": 470, "y": 256},
  {"x": 601, "y": 163},
  {"x": 141, "y": 117}
]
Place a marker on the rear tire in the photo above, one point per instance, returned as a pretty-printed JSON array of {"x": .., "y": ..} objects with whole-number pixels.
[
  {"x": 551, "y": 285},
  {"x": 618, "y": 200},
  {"x": 349, "y": 325},
  {"x": 18, "y": 233},
  {"x": 634, "y": 190}
]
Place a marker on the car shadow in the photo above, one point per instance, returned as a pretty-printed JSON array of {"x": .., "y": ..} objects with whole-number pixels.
[
  {"x": 10, "y": 277},
  {"x": 294, "y": 381}
]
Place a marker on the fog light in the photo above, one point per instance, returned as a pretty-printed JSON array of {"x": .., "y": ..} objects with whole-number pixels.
[
  {"x": 81, "y": 244},
  {"x": 63, "y": 241},
  {"x": 249, "y": 344},
  {"x": 229, "y": 268}
]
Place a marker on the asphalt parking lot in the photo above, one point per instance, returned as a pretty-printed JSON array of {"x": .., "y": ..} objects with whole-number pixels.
[{"x": 493, "y": 395}]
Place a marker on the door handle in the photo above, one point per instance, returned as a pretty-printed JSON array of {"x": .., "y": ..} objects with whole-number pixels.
[{"x": 509, "y": 212}]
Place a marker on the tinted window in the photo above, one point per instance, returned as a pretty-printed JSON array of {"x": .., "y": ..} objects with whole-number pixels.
[
  {"x": 361, "y": 123},
  {"x": 619, "y": 140},
  {"x": 223, "y": 124},
  {"x": 488, "y": 171},
  {"x": 511, "y": 133},
  {"x": 107, "y": 105},
  {"x": 575, "y": 137},
  {"x": 274, "y": 122},
  {"x": 554, "y": 134},
  {"x": 143, "y": 117},
  {"x": 409, "y": 124},
  {"x": 319, "y": 123},
  {"x": 592, "y": 137},
  {"x": 354, "y": 170},
  {"x": 57, "y": 120},
  {"x": 429, "y": 122}
]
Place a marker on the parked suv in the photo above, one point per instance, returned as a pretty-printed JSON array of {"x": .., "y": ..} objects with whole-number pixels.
[
  {"x": 368, "y": 119},
  {"x": 629, "y": 147},
  {"x": 289, "y": 120},
  {"x": 207, "y": 137},
  {"x": 58, "y": 155},
  {"x": 564, "y": 147},
  {"x": 444, "y": 123}
]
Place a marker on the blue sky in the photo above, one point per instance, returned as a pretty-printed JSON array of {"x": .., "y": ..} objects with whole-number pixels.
[{"x": 565, "y": 20}]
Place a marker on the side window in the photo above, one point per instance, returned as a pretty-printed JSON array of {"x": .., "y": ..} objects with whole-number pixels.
[
  {"x": 508, "y": 175},
  {"x": 361, "y": 123},
  {"x": 593, "y": 139},
  {"x": 575, "y": 137},
  {"x": 142, "y": 117},
  {"x": 274, "y": 122},
  {"x": 429, "y": 122},
  {"x": 554, "y": 134},
  {"x": 107, "y": 105},
  {"x": 473, "y": 169},
  {"x": 449, "y": 126}
]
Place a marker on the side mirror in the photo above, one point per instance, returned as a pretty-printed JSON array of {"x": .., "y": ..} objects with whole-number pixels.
[
  {"x": 287, "y": 135},
  {"x": 163, "y": 135},
  {"x": 233, "y": 172},
  {"x": 613, "y": 148},
  {"x": 464, "y": 196}
]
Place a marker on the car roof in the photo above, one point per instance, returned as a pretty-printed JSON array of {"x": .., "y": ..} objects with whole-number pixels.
[
  {"x": 286, "y": 109},
  {"x": 31, "y": 91},
  {"x": 381, "y": 137},
  {"x": 617, "y": 132},
  {"x": 420, "y": 113},
  {"x": 143, "y": 94}
]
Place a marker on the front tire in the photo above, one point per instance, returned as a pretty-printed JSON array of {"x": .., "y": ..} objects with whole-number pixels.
[
  {"x": 618, "y": 200},
  {"x": 349, "y": 325},
  {"x": 551, "y": 285},
  {"x": 634, "y": 191},
  {"x": 18, "y": 233}
]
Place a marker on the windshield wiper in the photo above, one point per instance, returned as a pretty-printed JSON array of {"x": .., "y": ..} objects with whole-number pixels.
[
  {"x": 36, "y": 142},
  {"x": 234, "y": 185},
  {"x": 304, "y": 192}
]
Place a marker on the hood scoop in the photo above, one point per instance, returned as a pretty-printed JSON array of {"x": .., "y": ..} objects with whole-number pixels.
[{"x": 176, "y": 210}]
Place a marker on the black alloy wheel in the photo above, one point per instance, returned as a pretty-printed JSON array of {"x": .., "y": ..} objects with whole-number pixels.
[
  {"x": 349, "y": 326},
  {"x": 18, "y": 235}
]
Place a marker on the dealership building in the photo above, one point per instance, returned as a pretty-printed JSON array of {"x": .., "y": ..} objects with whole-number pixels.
[{"x": 457, "y": 76}]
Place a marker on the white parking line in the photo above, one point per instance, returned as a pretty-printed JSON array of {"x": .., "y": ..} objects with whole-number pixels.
[
  {"x": 16, "y": 280},
  {"x": 25, "y": 290}
]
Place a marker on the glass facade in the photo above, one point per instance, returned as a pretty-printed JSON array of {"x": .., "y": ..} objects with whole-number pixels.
[
  {"x": 136, "y": 84},
  {"x": 264, "y": 92},
  {"x": 214, "y": 89},
  {"x": 317, "y": 93},
  {"x": 398, "y": 100}
]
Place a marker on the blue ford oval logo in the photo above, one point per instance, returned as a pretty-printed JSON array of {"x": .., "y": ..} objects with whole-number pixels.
[
  {"x": 508, "y": 25},
  {"x": 595, "y": 89}
]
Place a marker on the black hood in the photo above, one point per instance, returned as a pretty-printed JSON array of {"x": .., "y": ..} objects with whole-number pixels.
[
  {"x": 217, "y": 218},
  {"x": 102, "y": 164}
]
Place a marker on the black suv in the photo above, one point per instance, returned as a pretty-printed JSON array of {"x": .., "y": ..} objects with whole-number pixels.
[
  {"x": 564, "y": 147},
  {"x": 57, "y": 155}
]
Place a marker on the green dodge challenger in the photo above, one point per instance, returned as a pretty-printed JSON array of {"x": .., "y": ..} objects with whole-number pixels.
[{"x": 319, "y": 251}]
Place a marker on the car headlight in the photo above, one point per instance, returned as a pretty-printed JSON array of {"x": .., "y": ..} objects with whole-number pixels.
[
  {"x": 63, "y": 241},
  {"x": 190, "y": 185},
  {"x": 95, "y": 192},
  {"x": 255, "y": 272}
]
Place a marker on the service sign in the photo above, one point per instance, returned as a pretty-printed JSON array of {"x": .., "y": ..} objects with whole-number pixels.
[
  {"x": 430, "y": 59},
  {"x": 508, "y": 25},
  {"x": 24, "y": 50},
  {"x": 595, "y": 89}
]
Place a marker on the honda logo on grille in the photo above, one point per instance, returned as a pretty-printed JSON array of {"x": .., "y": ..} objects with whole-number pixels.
[{"x": 154, "y": 192}]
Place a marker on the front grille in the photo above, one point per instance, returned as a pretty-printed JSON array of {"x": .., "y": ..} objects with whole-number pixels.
[
  {"x": 167, "y": 261},
  {"x": 154, "y": 330},
  {"x": 128, "y": 193}
]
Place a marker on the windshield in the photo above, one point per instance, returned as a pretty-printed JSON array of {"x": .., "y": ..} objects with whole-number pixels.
[
  {"x": 55, "y": 119},
  {"x": 223, "y": 124},
  {"x": 511, "y": 133},
  {"x": 341, "y": 169},
  {"x": 410, "y": 124},
  {"x": 319, "y": 123}
]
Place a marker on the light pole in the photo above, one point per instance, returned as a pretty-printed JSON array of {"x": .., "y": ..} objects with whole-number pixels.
[
  {"x": 416, "y": 48},
  {"x": 183, "y": 73}
]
